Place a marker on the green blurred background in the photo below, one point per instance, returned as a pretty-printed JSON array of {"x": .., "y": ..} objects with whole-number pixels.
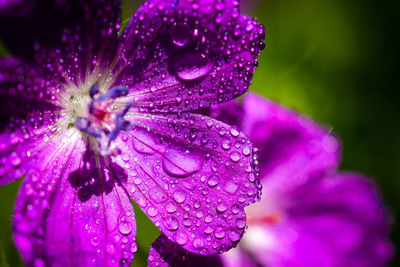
[{"x": 334, "y": 60}]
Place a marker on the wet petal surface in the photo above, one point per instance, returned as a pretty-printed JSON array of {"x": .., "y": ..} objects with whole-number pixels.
[
  {"x": 185, "y": 55},
  {"x": 191, "y": 177},
  {"x": 165, "y": 253},
  {"x": 72, "y": 210}
]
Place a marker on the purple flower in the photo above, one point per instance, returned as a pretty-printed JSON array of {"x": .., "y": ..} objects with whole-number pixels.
[
  {"x": 93, "y": 119},
  {"x": 310, "y": 214}
]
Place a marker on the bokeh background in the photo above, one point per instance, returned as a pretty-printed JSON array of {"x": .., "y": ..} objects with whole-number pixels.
[{"x": 334, "y": 60}]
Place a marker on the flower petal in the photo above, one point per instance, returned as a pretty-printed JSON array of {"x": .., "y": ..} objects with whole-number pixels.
[
  {"x": 27, "y": 118},
  {"x": 72, "y": 210},
  {"x": 192, "y": 176},
  {"x": 164, "y": 253},
  {"x": 66, "y": 38},
  {"x": 334, "y": 221},
  {"x": 184, "y": 55},
  {"x": 292, "y": 148}
]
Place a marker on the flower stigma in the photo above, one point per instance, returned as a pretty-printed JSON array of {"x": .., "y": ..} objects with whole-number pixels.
[{"x": 100, "y": 115}]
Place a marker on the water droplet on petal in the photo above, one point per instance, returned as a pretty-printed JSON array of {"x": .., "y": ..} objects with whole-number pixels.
[
  {"x": 181, "y": 239},
  {"x": 158, "y": 195},
  {"x": 235, "y": 156},
  {"x": 181, "y": 34},
  {"x": 180, "y": 196},
  {"x": 171, "y": 223},
  {"x": 192, "y": 66},
  {"x": 234, "y": 236},
  {"x": 231, "y": 187},
  {"x": 152, "y": 212},
  {"x": 143, "y": 143},
  {"x": 221, "y": 207},
  {"x": 95, "y": 241},
  {"x": 198, "y": 243},
  {"x": 219, "y": 233},
  {"x": 213, "y": 180},
  {"x": 125, "y": 228},
  {"x": 111, "y": 249},
  {"x": 181, "y": 164},
  {"x": 170, "y": 207}
]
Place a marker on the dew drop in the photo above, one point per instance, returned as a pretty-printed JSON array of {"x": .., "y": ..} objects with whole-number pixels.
[
  {"x": 198, "y": 243},
  {"x": 125, "y": 228},
  {"x": 230, "y": 187},
  {"x": 111, "y": 249},
  {"x": 219, "y": 233},
  {"x": 180, "y": 196},
  {"x": 181, "y": 239},
  {"x": 143, "y": 143},
  {"x": 191, "y": 66},
  {"x": 170, "y": 207},
  {"x": 181, "y": 164},
  {"x": 235, "y": 156},
  {"x": 95, "y": 241},
  {"x": 180, "y": 34},
  {"x": 152, "y": 212},
  {"x": 234, "y": 236},
  {"x": 246, "y": 150},
  {"x": 158, "y": 195},
  {"x": 226, "y": 144},
  {"x": 213, "y": 180},
  {"x": 171, "y": 223},
  {"x": 221, "y": 207}
]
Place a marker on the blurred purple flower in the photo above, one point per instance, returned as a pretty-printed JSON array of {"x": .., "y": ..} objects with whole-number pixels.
[
  {"x": 310, "y": 214},
  {"x": 92, "y": 119}
]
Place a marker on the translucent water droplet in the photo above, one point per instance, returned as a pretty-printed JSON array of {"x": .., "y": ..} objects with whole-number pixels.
[
  {"x": 125, "y": 228},
  {"x": 219, "y": 232},
  {"x": 15, "y": 160},
  {"x": 143, "y": 143},
  {"x": 171, "y": 223},
  {"x": 231, "y": 187},
  {"x": 234, "y": 236},
  {"x": 235, "y": 156},
  {"x": 241, "y": 223},
  {"x": 170, "y": 207},
  {"x": 213, "y": 180},
  {"x": 181, "y": 164},
  {"x": 226, "y": 144},
  {"x": 152, "y": 212},
  {"x": 111, "y": 249},
  {"x": 246, "y": 151},
  {"x": 192, "y": 66},
  {"x": 181, "y": 239},
  {"x": 158, "y": 195},
  {"x": 221, "y": 207},
  {"x": 208, "y": 230},
  {"x": 181, "y": 34},
  {"x": 95, "y": 241},
  {"x": 198, "y": 243},
  {"x": 180, "y": 196}
]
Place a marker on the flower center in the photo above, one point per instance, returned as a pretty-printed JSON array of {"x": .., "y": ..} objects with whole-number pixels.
[{"x": 104, "y": 119}]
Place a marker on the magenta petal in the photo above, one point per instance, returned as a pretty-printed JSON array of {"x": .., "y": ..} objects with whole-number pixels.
[
  {"x": 72, "y": 210},
  {"x": 192, "y": 176},
  {"x": 292, "y": 148},
  {"x": 65, "y": 38},
  {"x": 164, "y": 253},
  {"x": 27, "y": 119},
  {"x": 181, "y": 55},
  {"x": 335, "y": 221}
]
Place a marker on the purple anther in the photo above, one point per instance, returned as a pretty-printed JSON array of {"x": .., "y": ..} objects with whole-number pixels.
[
  {"x": 94, "y": 90},
  {"x": 113, "y": 93},
  {"x": 84, "y": 125}
]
